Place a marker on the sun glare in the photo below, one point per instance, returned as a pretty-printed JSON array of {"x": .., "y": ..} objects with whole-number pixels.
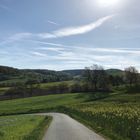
[{"x": 106, "y": 3}]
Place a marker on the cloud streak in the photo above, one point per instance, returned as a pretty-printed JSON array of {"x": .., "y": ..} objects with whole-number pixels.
[
  {"x": 69, "y": 31},
  {"x": 38, "y": 54},
  {"x": 52, "y": 22},
  {"x": 64, "y": 32}
]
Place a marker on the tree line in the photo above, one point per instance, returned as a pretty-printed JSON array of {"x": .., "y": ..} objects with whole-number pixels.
[
  {"x": 98, "y": 79},
  {"x": 94, "y": 78},
  {"x": 10, "y": 77}
]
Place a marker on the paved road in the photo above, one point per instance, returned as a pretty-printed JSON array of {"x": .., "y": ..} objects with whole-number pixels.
[{"x": 65, "y": 128}]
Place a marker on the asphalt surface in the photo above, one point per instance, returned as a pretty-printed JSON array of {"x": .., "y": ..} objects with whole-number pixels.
[{"x": 63, "y": 127}]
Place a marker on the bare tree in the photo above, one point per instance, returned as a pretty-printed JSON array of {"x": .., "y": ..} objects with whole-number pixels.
[
  {"x": 94, "y": 74},
  {"x": 131, "y": 75}
]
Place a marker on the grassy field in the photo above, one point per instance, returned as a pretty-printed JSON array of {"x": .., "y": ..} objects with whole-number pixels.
[
  {"x": 45, "y": 103},
  {"x": 113, "y": 115},
  {"x": 22, "y": 127},
  {"x": 40, "y": 103}
]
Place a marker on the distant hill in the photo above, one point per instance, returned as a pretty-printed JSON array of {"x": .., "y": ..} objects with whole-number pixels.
[
  {"x": 8, "y": 70},
  {"x": 10, "y": 76},
  {"x": 77, "y": 72},
  {"x": 114, "y": 72}
]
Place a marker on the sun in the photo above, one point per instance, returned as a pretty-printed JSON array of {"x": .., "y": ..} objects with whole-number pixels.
[{"x": 106, "y": 3}]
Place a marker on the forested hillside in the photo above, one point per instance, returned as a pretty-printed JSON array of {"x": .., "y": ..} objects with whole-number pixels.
[{"x": 10, "y": 76}]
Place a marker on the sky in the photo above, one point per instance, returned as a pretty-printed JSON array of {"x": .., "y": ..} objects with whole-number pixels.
[{"x": 69, "y": 34}]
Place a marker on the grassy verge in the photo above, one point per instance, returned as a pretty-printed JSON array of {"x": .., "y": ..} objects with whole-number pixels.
[
  {"x": 38, "y": 132},
  {"x": 21, "y": 126}
]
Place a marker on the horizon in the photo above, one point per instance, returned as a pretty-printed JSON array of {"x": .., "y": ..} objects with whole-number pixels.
[
  {"x": 67, "y": 35},
  {"x": 111, "y": 68}
]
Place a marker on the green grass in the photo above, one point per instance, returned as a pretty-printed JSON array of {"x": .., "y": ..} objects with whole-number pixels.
[
  {"x": 22, "y": 127},
  {"x": 39, "y": 131},
  {"x": 114, "y": 115},
  {"x": 40, "y": 103}
]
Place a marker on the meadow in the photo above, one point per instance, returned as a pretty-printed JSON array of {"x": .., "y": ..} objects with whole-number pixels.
[
  {"x": 22, "y": 127},
  {"x": 40, "y": 103},
  {"x": 115, "y": 115}
]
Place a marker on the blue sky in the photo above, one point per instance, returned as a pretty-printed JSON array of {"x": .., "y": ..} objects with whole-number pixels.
[{"x": 69, "y": 34}]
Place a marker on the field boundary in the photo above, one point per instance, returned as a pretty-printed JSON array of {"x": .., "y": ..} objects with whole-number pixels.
[{"x": 39, "y": 131}]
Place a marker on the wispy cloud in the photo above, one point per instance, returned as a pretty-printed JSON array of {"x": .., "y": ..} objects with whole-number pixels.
[
  {"x": 64, "y": 32},
  {"x": 47, "y": 43},
  {"x": 61, "y": 56},
  {"x": 38, "y": 54},
  {"x": 52, "y": 22},
  {"x": 69, "y": 31},
  {"x": 75, "y": 58},
  {"x": 111, "y": 50},
  {"x": 16, "y": 37},
  {"x": 55, "y": 49}
]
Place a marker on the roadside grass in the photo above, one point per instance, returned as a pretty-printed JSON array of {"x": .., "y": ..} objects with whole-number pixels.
[
  {"x": 39, "y": 131},
  {"x": 22, "y": 127}
]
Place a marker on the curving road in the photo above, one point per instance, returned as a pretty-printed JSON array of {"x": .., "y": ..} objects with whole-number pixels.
[{"x": 65, "y": 128}]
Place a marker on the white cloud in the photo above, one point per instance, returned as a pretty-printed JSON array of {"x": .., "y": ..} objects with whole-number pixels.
[
  {"x": 16, "y": 37},
  {"x": 51, "y": 49},
  {"x": 70, "y": 57},
  {"x": 38, "y": 54},
  {"x": 47, "y": 43},
  {"x": 52, "y": 22},
  {"x": 20, "y": 36},
  {"x": 69, "y": 31},
  {"x": 46, "y": 35},
  {"x": 111, "y": 50}
]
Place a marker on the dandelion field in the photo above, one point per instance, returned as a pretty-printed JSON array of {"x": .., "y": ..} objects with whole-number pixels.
[{"x": 116, "y": 119}]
